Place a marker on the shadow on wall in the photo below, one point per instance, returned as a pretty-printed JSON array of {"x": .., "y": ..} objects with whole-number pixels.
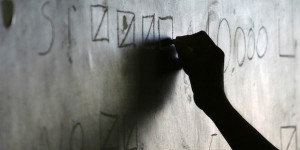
[
  {"x": 158, "y": 66},
  {"x": 151, "y": 70}
]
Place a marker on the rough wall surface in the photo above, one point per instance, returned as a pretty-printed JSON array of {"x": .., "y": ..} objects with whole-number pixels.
[{"x": 69, "y": 73}]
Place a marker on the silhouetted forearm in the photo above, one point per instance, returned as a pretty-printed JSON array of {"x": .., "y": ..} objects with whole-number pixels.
[
  {"x": 203, "y": 61},
  {"x": 236, "y": 130}
]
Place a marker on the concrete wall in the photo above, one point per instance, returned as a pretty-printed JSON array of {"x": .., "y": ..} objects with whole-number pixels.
[{"x": 71, "y": 73}]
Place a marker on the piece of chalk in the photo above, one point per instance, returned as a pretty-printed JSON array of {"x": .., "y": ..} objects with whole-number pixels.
[{"x": 166, "y": 42}]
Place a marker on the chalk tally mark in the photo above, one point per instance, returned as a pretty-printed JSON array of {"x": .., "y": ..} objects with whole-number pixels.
[
  {"x": 99, "y": 23},
  {"x": 212, "y": 137},
  {"x": 7, "y": 12},
  {"x": 52, "y": 27},
  {"x": 288, "y": 137},
  {"x": 148, "y": 32},
  {"x": 212, "y": 22},
  {"x": 211, "y": 15},
  {"x": 69, "y": 23},
  {"x": 69, "y": 53},
  {"x": 163, "y": 27},
  {"x": 125, "y": 28},
  {"x": 77, "y": 142},
  {"x": 130, "y": 134},
  {"x": 109, "y": 138},
  {"x": 286, "y": 37}
]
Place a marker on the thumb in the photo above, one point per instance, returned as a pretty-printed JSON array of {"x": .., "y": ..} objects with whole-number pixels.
[{"x": 185, "y": 54}]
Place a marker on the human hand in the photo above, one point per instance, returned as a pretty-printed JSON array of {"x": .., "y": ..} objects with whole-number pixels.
[{"x": 203, "y": 61}]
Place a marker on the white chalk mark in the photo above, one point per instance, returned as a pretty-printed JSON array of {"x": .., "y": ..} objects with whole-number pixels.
[{"x": 91, "y": 63}]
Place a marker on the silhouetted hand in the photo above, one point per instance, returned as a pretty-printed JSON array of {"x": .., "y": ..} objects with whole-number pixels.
[{"x": 203, "y": 61}]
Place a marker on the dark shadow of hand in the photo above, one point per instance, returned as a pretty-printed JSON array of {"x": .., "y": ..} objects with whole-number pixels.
[{"x": 158, "y": 65}]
